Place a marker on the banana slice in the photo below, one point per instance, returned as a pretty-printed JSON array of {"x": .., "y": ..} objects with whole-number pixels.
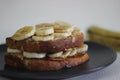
[
  {"x": 67, "y": 53},
  {"x": 34, "y": 55},
  {"x": 43, "y": 38},
  {"x": 10, "y": 50},
  {"x": 45, "y": 25},
  {"x": 44, "y": 31},
  {"x": 24, "y": 33},
  {"x": 63, "y": 27},
  {"x": 76, "y": 31},
  {"x": 73, "y": 52},
  {"x": 82, "y": 49},
  {"x": 62, "y": 34},
  {"x": 58, "y": 54}
]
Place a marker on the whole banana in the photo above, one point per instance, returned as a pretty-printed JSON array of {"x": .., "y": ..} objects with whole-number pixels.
[{"x": 105, "y": 37}]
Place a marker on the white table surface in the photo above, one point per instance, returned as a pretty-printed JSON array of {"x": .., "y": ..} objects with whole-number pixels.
[{"x": 111, "y": 72}]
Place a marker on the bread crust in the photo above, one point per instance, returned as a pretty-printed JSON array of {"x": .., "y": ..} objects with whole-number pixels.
[
  {"x": 11, "y": 43},
  {"x": 45, "y": 64},
  {"x": 52, "y": 46},
  {"x": 14, "y": 60}
]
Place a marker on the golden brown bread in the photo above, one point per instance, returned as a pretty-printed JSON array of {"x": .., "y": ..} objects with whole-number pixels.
[
  {"x": 44, "y": 64},
  {"x": 14, "y": 59},
  {"x": 52, "y": 46},
  {"x": 14, "y": 44}
]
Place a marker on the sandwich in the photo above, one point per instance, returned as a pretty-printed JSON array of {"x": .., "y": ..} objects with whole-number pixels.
[{"x": 47, "y": 46}]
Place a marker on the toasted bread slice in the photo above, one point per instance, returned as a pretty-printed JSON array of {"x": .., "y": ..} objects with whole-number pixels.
[
  {"x": 44, "y": 64},
  {"x": 14, "y": 59},
  {"x": 51, "y": 46}
]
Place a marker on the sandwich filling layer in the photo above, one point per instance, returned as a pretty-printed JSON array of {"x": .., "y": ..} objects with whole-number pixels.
[{"x": 63, "y": 54}]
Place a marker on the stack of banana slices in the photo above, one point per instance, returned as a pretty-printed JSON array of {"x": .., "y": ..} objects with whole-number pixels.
[{"x": 45, "y": 31}]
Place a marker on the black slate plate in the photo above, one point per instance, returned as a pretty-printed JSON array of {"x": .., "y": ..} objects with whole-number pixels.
[{"x": 100, "y": 57}]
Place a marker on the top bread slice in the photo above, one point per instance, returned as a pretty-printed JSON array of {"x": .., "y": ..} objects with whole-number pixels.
[{"x": 51, "y": 46}]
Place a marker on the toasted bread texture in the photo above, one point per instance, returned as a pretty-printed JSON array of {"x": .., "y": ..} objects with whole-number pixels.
[
  {"x": 45, "y": 64},
  {"x": 14, "y": 60},
  {"x": 51, "y": 46}
]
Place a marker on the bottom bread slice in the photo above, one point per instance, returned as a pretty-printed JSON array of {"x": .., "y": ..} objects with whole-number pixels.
[{"x": 18, "y": 61}]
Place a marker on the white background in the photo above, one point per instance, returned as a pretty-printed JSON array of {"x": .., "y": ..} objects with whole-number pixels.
[{"x": 83, "y": 13}]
